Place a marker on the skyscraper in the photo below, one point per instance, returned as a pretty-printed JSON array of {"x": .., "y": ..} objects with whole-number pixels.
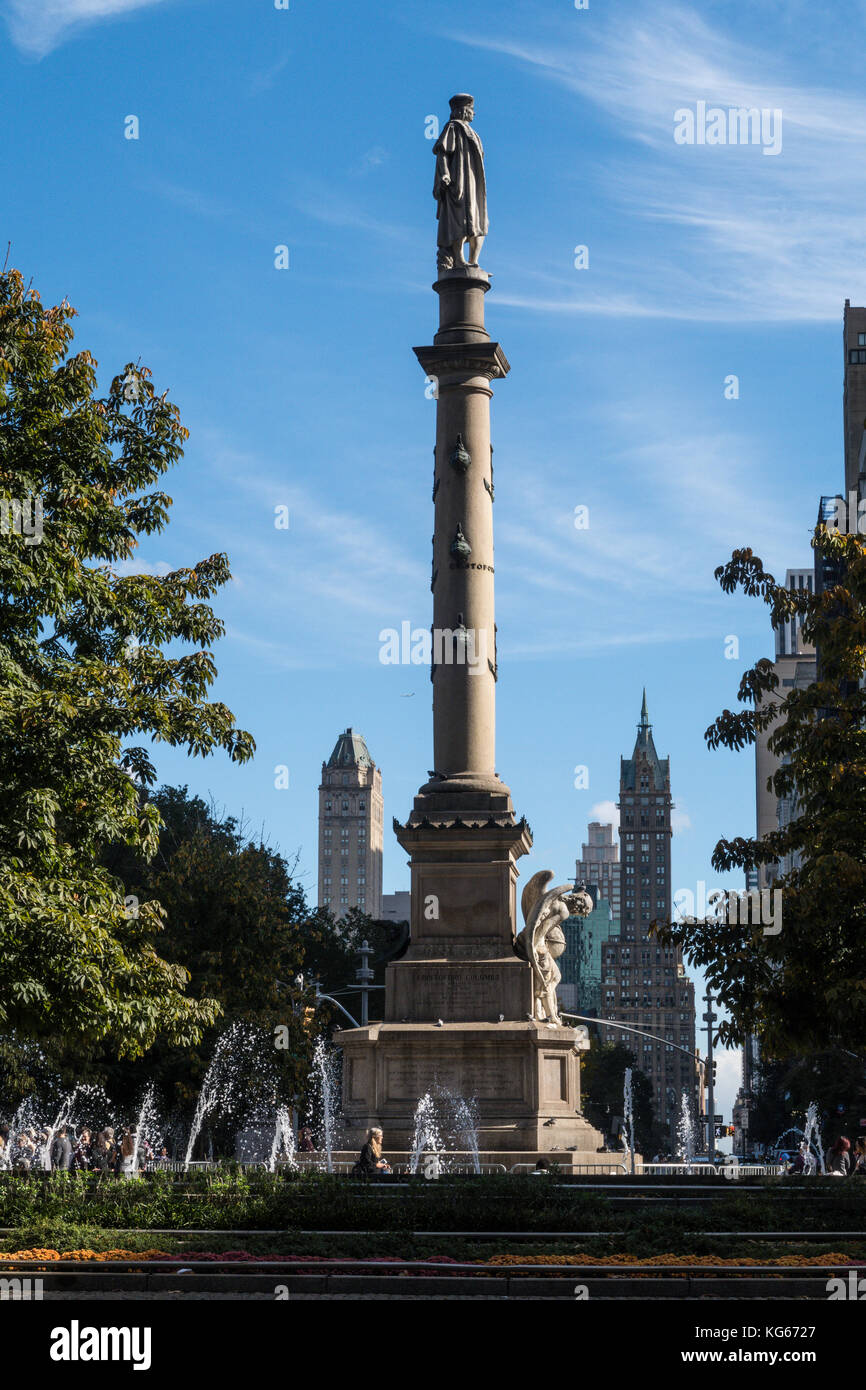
[
  {"x": 581, "y": 963},
  {"x": 350, "y": 829},
  {"x": 643, "y": 982},
  {"x": 599, "y": 864},
  {"x": 795, "y": 667},
  {"x": 854, "y": 397}
]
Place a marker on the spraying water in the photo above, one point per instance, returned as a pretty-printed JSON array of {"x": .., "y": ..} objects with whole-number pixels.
[
  {"x": 628, "y": 1112},
  {"x": 465, "y": 1127},
  {"x": 812, "y": 1134},
  {"x": 239, "y": 1073},
  {"x": 283, "y": 1146},
  {"x": 146, "y": 1128},
  {"x": 325, "y": 1096},
  {"x": 426, "y": 1137},
  {"x": 686, "y": 1131}
]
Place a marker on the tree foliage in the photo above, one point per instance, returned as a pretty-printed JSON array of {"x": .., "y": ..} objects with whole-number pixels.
[
  {"x": 602, "y": 1088},
  {"x": 237, "y": 918},
  {"x": 803, "y": 989},
  {"x": 83, "y": 672}
]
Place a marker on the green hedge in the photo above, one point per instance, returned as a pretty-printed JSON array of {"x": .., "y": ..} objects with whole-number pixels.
[{"x": 257, "y": 1200}]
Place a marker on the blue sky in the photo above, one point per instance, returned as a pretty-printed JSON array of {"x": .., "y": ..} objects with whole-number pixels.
[{"x": 306, "y": 128}]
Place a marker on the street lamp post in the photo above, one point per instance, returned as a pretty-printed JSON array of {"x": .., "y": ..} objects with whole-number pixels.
[
  {"x": 364, "y": 975},
  {"x": 710, "y": 1018},
  {"x": 696, "y": 1057}
]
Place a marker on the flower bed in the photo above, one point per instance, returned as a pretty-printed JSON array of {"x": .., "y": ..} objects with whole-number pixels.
[
  {"x": 697, "y": 1261},
  {"x": 48, "y": 1256}
]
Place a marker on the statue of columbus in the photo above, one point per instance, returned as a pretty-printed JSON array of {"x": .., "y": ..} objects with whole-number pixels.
[{"x": 460, "y": 189}]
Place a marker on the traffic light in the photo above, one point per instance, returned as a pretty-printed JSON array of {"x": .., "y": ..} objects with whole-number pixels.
[{"x": 715, "y": 1064}]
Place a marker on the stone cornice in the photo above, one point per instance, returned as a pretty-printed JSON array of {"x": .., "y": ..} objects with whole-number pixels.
[{"x": 478, "y": 359}]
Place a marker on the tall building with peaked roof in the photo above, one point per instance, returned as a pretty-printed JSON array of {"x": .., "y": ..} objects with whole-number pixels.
[
  {"x": 351, "y": 829},
  {"x": 643, "y": 982}
]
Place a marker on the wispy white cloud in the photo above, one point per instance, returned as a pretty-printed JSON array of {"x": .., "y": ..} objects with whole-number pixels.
[
  {"x": 371, "y": 159},
  {"x": 265, "y": 80},
  {"x": 568, "y": 590},
  {"x": 38, "y": 26},
  {"x": 778, "y": 238},
  {"x": 127, "y": 568},
  {"x": 606, "y": 812}
]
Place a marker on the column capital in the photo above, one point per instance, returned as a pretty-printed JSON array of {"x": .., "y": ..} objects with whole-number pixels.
[{"x": 475, "y": 359}]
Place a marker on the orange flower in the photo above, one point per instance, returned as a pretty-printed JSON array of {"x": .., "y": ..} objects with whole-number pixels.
[{"x": 697, "y": 1261}]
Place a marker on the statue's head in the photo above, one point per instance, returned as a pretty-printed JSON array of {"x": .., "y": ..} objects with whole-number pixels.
[{"x": 462, "y": 107}]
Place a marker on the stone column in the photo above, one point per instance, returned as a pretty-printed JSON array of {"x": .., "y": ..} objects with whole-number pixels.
[{"x": 463, "y": 361}]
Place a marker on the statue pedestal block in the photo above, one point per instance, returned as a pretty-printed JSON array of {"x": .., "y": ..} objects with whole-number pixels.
[
  {"x": 458, "y": 991},
  {"x": 523, "y": 1076}
]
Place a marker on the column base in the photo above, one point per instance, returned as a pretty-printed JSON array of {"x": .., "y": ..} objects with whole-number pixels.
[{"x": 523, "y": 1077}]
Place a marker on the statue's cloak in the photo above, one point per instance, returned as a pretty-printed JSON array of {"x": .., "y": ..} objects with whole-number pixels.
[{"x": 462, "y": 203}]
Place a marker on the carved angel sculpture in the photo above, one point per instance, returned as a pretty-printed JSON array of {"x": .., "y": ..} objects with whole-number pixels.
[{"x": 542, "y": 940}]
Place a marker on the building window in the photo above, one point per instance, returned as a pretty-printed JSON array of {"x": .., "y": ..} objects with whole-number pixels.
[{"x": 362, "y": 804}]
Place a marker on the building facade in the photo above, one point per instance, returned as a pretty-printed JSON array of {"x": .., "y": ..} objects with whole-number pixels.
[
  {"x": 599, "y": 864},
  {"x": 351, "y": 829},
  {"x": 581, "y": 964},
  {"x": 644, "y": 983},
  {"x": 795, "y": 667},
  {"x": 854, "y": 394},
  {"x": 396, "y": 907}
]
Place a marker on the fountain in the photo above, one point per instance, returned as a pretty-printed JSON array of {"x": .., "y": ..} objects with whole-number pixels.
[
  {"x": 686, "y": 1131},
  {"x": 29, "y": 1118},
  {"x": 238, "y": 1066},
  {"x": 426, "y": 1138},
  {"x": 326, "y": 1083},
  {"x": 465, "y": 1128},
  {"x": 628, "y": 1114},
  {"x": 811, "y": 1134},
  {"x": 813, "y": 1127},
  {"x": 283, "y": 1146},
  {"x": 146, "y": 1127}
]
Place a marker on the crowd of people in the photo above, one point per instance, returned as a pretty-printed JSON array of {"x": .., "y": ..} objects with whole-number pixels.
[
  {"x": 63, "y": 1150},
  {"x": 841, "y": 1161}
]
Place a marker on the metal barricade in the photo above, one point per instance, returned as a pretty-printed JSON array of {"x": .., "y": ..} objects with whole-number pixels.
[
  {"x": 663, "y": 1170},
  {"x": 610, "y": 1170}
]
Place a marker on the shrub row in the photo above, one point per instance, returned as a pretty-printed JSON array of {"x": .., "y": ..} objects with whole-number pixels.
[{"x": 259, "y": 1200}]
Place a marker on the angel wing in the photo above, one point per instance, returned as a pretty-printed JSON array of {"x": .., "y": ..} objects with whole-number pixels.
[{"x": 533, "y": 891}]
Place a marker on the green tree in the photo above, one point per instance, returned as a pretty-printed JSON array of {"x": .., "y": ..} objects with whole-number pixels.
[
  {"x": 82, "y": 671},
  {"x": 802, "y": 989},
  {"x": 237, "y": 918},
  {"x": 787, "y": 1086},
  {"x": 602, "y": 1086}
]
